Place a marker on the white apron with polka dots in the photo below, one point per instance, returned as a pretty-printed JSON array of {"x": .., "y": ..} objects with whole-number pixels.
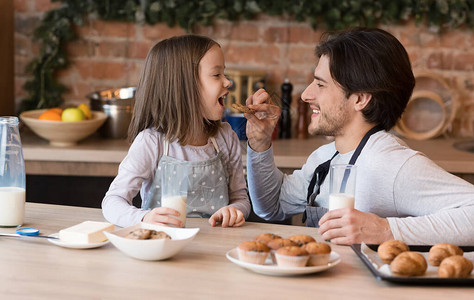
[{"x": 207, "y": 184}]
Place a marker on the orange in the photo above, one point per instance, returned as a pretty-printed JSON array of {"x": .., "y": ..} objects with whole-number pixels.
[
  {"x": 52, "y": 114},
  {"x": 56, "y": 110}
]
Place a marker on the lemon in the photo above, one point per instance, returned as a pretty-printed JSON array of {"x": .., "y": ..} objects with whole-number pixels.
[
  {"x": 86, "y": 110},
  {"x": 72, "y": 115}
]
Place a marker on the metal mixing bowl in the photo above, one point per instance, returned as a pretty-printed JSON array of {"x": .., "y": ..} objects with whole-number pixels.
[{"x": 117, "y": 104}]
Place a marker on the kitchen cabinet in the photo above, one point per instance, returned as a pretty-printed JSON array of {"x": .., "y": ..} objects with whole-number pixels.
[{"x": 90, "y": 166}]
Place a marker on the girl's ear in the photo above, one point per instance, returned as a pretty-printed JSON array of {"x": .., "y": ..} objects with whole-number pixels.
[{"x": 362, "y": 100}]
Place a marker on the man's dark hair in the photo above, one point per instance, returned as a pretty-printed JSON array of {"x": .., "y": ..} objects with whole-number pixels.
[{"x": 371, "y": 61}]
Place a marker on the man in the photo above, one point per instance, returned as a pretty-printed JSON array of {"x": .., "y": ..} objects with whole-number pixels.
[{"x": 361, "y": 86}]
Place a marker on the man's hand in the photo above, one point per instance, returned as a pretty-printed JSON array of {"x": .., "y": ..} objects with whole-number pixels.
[
  {"x": 350, "y": 226},
  {"x": 260, "y": 125}
]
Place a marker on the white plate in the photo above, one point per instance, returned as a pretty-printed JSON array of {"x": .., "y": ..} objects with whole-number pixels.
[
  {"x": 271, "y": 269},
  {"x": 75, "y": 245}
]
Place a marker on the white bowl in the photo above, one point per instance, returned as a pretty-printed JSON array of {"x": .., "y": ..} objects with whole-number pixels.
[
  {"x": 60, "y": 133},
  {"x": 152, "y": 249}
]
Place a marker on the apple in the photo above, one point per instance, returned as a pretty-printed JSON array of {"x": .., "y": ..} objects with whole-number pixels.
[{"x": 72, "y": 115}]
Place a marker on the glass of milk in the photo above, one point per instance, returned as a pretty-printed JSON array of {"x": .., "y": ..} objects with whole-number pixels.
[
  {"x": 174, "y": 188},
  {"x": 342, "y": 186},
  {"x": 12, "y": 174}
]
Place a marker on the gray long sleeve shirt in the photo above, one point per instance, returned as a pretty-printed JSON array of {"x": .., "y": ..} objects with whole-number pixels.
[{"x": 423, "y": 203}]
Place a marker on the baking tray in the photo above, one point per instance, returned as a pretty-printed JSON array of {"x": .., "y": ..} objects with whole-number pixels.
[{"x": 413, "y": 280}]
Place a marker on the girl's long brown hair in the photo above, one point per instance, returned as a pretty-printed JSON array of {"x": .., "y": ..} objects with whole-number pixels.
[{"x": 168, "y": 95}]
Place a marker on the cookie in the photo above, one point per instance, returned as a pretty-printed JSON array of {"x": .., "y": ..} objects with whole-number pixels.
[
  {"x": 139, "y": 234},
  {"x": 243, "y": 109},
  {"x": 158, "y": 235}
]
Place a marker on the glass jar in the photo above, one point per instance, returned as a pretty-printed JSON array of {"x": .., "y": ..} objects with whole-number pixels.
[{"x": 12, "y": 174}]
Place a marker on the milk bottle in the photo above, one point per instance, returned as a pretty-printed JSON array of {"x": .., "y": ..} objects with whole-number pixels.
[{"x": 12, "y": 174}]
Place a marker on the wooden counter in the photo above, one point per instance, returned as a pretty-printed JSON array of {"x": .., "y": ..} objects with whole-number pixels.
[
  {"x": 37, "y": 269},
  {"x": 96, "y": 156}
]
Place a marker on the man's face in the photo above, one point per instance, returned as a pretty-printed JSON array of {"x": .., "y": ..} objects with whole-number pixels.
[{"x": 329, "y": 105}]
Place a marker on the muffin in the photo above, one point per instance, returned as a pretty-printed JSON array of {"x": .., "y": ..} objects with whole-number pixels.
[
  {"x": 266, "y": 237},
  {"x": 276, "y": 244},
  {"x": 388, "y": 250},
  {"x": 253, "y": 252},
  {"x": 319, "y": 253},
  {"x": 302, "y": 239},
  {"x": 291, "y": 256}
]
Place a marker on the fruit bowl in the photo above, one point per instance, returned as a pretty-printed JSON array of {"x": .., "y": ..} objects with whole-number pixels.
[{"x": 60, "y": 133}]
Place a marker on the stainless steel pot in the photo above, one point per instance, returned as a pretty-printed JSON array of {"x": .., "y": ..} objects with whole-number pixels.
[{"x": 117, "y": 104}]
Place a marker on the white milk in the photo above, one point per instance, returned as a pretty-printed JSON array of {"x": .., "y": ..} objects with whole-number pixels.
[
  {"x": 341, "y": 200},
  {"x": 178, "y": 203},
  {"x": 12, "y": 206}
]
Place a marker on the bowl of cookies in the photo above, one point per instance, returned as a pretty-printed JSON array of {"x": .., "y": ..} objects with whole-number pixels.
[{"x": 151, "y": 242}]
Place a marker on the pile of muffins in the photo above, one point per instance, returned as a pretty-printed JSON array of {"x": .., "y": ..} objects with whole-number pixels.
[
  {"x": 447, "y": 257},
  {"x": 295, "y": 251}
]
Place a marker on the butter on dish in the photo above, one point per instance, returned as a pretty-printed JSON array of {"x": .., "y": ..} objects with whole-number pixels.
[{"x": 86, "y": 232}]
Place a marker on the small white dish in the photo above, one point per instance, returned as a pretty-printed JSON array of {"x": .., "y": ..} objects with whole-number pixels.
[
  {"x": 152, "y": 249},
  {"x": 269, "y": 268},
  {"x": 75, "y": 245}
]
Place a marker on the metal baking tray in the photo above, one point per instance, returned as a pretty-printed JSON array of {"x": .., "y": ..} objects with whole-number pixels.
[{"x": 415, "y": 280}]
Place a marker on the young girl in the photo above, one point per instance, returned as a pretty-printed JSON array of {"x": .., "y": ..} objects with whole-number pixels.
[{"x": 176, "y": 120}]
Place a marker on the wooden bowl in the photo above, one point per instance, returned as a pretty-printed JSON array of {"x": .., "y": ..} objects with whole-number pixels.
[
  {"x": 431, "y": 109},
  {"x": 424, "y": 117},
  {"x": 60, "y": 133}
]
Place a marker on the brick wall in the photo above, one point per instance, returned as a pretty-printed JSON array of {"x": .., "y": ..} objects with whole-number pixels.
[{"x": 111, "y": 54}]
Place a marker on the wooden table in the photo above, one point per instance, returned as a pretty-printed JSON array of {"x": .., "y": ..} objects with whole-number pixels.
[{"x": 36, "y": 269}]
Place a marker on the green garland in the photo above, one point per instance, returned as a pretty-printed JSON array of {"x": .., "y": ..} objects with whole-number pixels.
[{"x": 55, "y": 29}]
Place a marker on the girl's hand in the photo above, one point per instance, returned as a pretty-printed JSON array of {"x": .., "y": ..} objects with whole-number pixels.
[
  {"x": 260, "y": 126},
  {"x": 227, "y": 216},
  {"x": 163, "y": 216}
]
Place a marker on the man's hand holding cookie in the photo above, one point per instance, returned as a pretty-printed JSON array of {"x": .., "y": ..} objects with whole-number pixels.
[
  {"x": 243, "y": 109},
  {"x": 261, "y": 124}
]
